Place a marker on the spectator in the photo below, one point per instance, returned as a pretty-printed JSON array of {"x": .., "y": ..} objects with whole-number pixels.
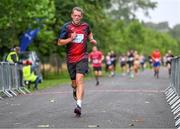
[{"x": 29, "y": 76}]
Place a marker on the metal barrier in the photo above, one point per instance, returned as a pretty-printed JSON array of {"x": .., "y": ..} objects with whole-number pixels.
[
  {"x": 175, "y": 76},
  {"x": 10, "y": 80},
  {"x": 173, "y": 91}
]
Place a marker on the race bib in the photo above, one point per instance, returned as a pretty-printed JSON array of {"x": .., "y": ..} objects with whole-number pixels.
[
  {"x": 109, "y": 62},
  {"x": 123, "y": 59},
  {"x": 131, "y": 59},
  {"x": 79, "y": 38},
  {"x": 169, "y": 58},
  {"x": 156, "y": 60},
  {"x": 95, "y": 61}
]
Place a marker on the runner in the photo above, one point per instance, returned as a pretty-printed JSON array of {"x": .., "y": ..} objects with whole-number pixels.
[
  {"x": 150, "y": 61},
  {"x": 136, "y": 63},
  {"x": 156, "y": 57},
  {"x": 109, "y": 65},
  {"x": 74, "y": 35},
  {"x": 122, "y": 61},
  {"x": 96, "y": 57},
  {"x": 142, "y": 62},
  {"x": 169, "y": 58},
  {"x": 113, "y": 61},
  {"x": 130, "y": 63}
]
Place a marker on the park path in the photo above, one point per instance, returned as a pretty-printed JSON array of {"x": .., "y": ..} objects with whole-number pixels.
[{"x": 118, "y": 102}]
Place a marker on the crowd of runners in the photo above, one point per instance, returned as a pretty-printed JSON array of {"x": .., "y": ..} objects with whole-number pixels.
[{"x": 129, "y": 63}]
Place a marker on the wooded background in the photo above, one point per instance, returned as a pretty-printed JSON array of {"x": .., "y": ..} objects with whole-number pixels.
[{"x": 113, "y": 23}]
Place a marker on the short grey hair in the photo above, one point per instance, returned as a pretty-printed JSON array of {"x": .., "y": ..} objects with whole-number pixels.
[{"x": 78, "y": 9}]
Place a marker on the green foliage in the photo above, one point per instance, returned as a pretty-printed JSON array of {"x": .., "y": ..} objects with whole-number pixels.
[
  {"x": 135, "y": 36},
  {"x": 113, "y": 28},
  {"x": 16, "y": 16},
  {"x": 175, "y": 32}
]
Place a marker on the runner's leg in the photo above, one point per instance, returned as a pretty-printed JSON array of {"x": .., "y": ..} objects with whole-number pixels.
[
  {"x": 79, "y": 93},
  {"x": 81, "y": 70},
  {"x": 97, "y": 77},
  {"x": 74, "y": 86},
  {"x": 80, "y": 86},
  {"x": 72, "y": 72}
]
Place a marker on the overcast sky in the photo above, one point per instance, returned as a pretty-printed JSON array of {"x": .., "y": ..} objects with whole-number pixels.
[{"x": 167, "y": 10}]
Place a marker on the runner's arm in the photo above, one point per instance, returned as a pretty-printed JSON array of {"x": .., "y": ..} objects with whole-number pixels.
[
  {"x": 92, "y": 40},
  {"x": 68, "y": 40},
  {"x": 102, "y": 58},
  {"x": 152, "y": 57},
  {"x": 62, "y": 42}
]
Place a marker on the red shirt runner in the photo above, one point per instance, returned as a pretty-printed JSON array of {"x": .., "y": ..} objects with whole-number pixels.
[
  {"x": 96, "y": 58},
  {"x": 77, "y": 49},
  {"x": 156, "y": 56}
]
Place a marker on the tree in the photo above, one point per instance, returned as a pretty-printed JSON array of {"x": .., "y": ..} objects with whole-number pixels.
[
  {"x": 125, "y": 9},
  {"x": 113, "y": 23},
  {"x": 16, "y": 16},
  {"x": 175, "y": 31}
]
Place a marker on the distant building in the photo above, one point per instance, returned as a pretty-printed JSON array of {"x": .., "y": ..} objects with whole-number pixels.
[{"x": 162, "y": 26}]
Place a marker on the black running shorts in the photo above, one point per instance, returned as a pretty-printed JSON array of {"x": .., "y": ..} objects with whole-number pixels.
[
  {"x": 79, "y": 67},
  {"x": 97, "y": 68}
]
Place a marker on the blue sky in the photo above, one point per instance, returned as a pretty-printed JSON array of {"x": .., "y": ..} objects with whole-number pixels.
[{"x": 167, "y": 10}]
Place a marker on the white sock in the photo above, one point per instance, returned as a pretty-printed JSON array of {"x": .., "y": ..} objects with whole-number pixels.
[{"x": 79, "y": 102}]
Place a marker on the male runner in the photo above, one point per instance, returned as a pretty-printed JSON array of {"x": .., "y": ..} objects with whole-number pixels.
[
  {"x": 74, "y": 35},
  {"x": 169, "y": 59},
  {"x": 96, "y": 57},
  {"x": 113, "y": 57},
  {"x": 123, "y": 62},
  {"x": 130, "y": 62},
  {"x": 109, "y": 66}
]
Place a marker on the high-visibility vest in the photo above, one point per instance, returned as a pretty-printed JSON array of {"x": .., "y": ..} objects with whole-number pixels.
[
  {"x": 9, "y": 59},
  {"x": 27, "y": 74}
]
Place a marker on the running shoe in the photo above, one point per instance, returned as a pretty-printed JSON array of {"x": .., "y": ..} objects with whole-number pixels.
[
  {"x": 77, "y": 111},
  {"x": 97, "y": 83}
]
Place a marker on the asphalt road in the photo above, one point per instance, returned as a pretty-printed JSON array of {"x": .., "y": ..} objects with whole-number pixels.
[{"x": 119, "y": 102}]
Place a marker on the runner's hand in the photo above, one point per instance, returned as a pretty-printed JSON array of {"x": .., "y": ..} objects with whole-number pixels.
[
  {"x": 73, "y": 35},
  {"x": 93, "y": 41}
]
